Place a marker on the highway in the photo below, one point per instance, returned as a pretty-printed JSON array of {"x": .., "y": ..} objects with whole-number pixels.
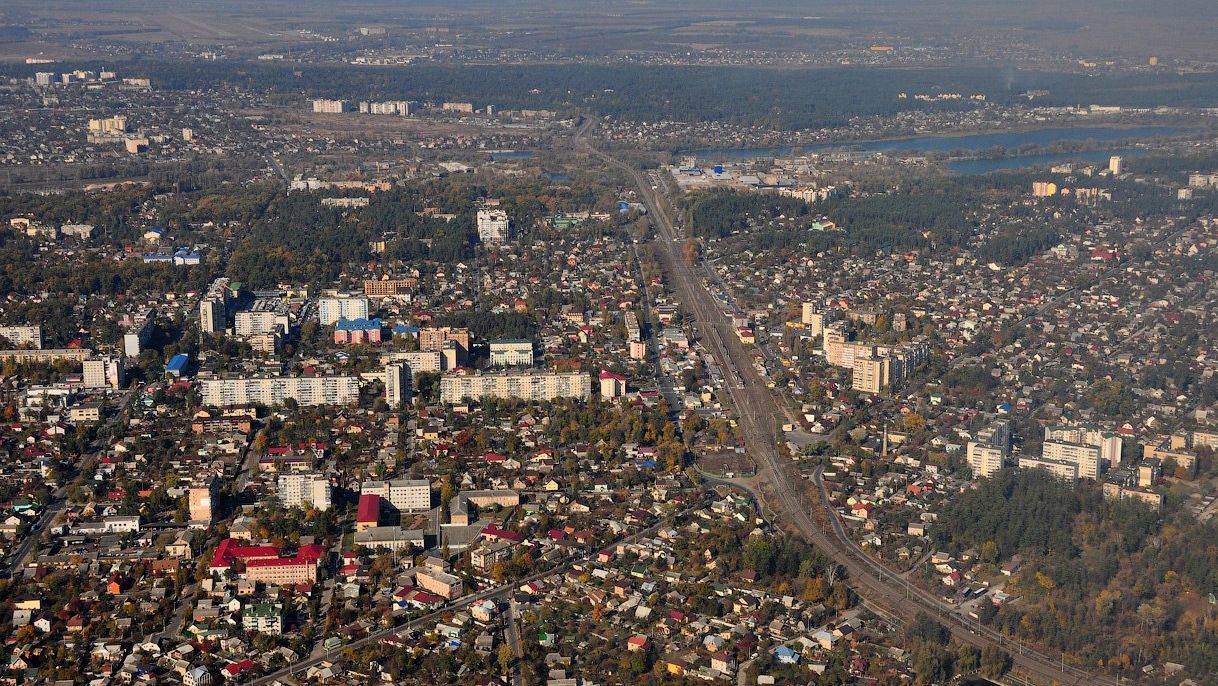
[{"x": 783, "y": 488}]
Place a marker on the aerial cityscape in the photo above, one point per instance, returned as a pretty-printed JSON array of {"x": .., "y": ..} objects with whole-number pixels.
[{"x": 525, "y": 342}]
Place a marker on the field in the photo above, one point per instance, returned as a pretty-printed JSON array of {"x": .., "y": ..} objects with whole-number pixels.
[{"x": 1180, "y": 29}]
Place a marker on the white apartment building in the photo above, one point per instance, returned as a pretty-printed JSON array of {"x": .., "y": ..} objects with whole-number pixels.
[
  {"x": 812, "y": 319},
  {"x": 213, "y": 308},
  {"x": 398, "y": 384},
  {"x": 419, "y": 361},
  {"x": 1111, "y": 445},
  {"x": 1087, "y": 457},
  {"x": 250, "y": 323},
  {"x": 332, "y": 308},
  {"x": 984, "y": 460},
  {"x": 511, "y": 352},
  {"x": 139, "y": 332},
  {"x": 323, "y": 106},
  {"x": 494, "y": 227},
  {"x": 407, "y": 495},
  {"x": 273, "y": 390},
  {"x": 105, "y": 371},
  {"x": 19, "y": 336},
  {"x": 297, "y": 489},
  {"x": 524, "y": 385},
  {"x": 1067, "y": 471}
]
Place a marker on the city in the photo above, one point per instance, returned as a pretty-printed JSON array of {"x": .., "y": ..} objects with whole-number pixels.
[{"x": 529, "y": 343}]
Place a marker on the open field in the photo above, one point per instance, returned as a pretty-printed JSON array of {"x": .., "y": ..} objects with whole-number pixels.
[{"x": 1124, "y": 28}]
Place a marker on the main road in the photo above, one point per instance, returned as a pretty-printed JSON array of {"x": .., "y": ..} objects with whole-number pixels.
[{"x": 784, "y": 490}]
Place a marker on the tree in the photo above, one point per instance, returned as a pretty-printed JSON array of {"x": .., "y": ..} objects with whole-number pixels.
[
  {"x": 691, "y": 251},
  {"x": 994, "y": 661},
  {"x": 505, "y": 658}
]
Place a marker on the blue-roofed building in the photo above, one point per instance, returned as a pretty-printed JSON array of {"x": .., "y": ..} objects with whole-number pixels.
[
  {"x": 786, "y": 656},
  {"x": 354, "y": 331},
  {"x": 177, "y": 365}
]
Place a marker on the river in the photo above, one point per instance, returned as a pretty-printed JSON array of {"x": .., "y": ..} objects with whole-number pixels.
[{"x": 947, "y": 143}]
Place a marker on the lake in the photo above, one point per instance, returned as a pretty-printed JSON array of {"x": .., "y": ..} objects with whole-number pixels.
[{"x": 949, "y": 143}]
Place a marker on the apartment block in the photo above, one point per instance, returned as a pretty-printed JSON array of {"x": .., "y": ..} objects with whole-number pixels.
[
  {"x": 1117, "y": 491},
  {"x": 213, "y": 307},
  {"x": 494, "y": 227},
  {"x": 334, "y": 307},
  {"x": 387, "y": 288},
  {"x": 442, "y": 584},
  {"x": 634, "y": 333},
  {"x": 407, "y": 495},
  {"x": 264, "y": 618},
  {"x": 871, "y": 374},
  {"x": 105, "y": 371},
  {"x": 524, "y": 385},
  {"x": 324, "y": 106},
  {"x": 273, "y": 390},
  {"x": 511, "y": 352},
  {"x": 300, "y": 489},
  {"x": 432, "y": 339},
  {"x": 1067, "y": 471},
  {"x": 138, "y": 332},
  {"x": 1087, "y": 457},
  {"x": 23, "y": 336},
  {"x": 418, "y": 361},
  {"x": 1110, "y": 444},
  {"x": 201, "y": 499},
  {"x": 984, "y": 460},
  {"x": 398, "y": 384}
]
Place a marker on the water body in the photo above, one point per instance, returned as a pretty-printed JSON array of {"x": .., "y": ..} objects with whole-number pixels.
[
  {"x": 948, "y": 143},
  {"x": 987, "y": 165},
  {"x": 511, "y": 155}
]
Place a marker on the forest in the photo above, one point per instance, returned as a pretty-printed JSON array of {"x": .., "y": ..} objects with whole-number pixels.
[
  {"x": 793, "y": 98},
  {"x": 1101, "y": 579},
  {"x": 718, "y": 213}
]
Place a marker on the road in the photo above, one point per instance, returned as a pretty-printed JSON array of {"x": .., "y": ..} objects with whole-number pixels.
[
  {"x": 513, "y": 638},
  {"x": 758, "y": 411}
]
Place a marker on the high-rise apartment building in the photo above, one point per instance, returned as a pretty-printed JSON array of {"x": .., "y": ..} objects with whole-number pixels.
[
  {"x": 494, "y": 227},
  {"x": 138, "y": 332},
  {"x": 298, "y": 489},
  {"x": 398, "y": 384},
  {"x": 1087, "y": 457},
  {"x": 984, "y": 460},
  {"x": 332, "y": 308},
  {"x": 105, "y": 371},
  {"x": 213, "y": 307}
]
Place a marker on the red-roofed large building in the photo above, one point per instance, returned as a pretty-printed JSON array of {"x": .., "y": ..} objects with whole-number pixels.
[
  {"x": 264, "y": 563},
  {"x": 368, "y": 514}
]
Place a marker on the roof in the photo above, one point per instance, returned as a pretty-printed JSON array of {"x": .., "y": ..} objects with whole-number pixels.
[
  {"x": 177, "y": 363},
  {"x": 230, "y": 550},
  {"x": 369, "y": 508},
  {"x": 358, "y": 324}
]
